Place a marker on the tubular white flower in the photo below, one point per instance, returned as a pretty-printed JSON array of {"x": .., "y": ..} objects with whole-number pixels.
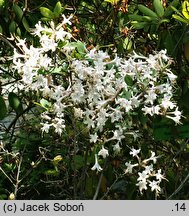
[
  {"x": 96, "y": 165},
  {"x": 103, "y": 152}
]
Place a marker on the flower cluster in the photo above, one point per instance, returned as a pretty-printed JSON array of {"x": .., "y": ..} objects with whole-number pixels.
[
  {"x": 97, "y": 88},
  {"x": 148, "y": 177}
]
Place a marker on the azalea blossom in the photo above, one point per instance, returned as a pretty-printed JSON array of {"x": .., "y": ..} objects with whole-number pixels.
[
  {"x": 96, "y": 165},
  {"x": 134, "y": 152},
  {"x": 130, "y": 167},
  {"x": 142, "y": 185},
  {"x": 103, "y": 152},
  {"x": 155, "y": 186}
]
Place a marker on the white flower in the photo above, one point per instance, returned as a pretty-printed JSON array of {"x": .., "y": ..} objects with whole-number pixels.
[
  {"x": 134, "y": 152},
  {"x": 97, "y": 165},
  {"x": 142, "y": 185},
  {"x": 93, "y": 138},
  {"x": 150, "y": 97},
  {"x": 59, "y": 125},
  {"x": 153, "y": 157},
  {"x": 126, "y": 104},
  {"x": 177, "y": 116},
  {"x": 176, "y": 119},
  {"x": 159, "y": 176},
  {"x": 167, "y": 103},
  {"x": 118, "y": 134},
  {"x": 142, "y": 176},
  {"x": 148, "y": 169},
  {"x": 46, "y": 127},
  {"x": 155, "y": 186},
  {"x": 116, "y": 148},
  {"x": 172, "y": 77},
  {"x": 130, "y": 167},
  {"x": 66, "y": 20},
  {"x": 103, "y": 152}
]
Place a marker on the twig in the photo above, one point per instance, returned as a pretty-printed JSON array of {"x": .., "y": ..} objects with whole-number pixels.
[
  {"x": 99, "y": 182},
  {"x": 7, "y": 176}
]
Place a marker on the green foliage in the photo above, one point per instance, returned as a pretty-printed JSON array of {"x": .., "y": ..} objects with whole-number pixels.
[
  {"x": 51, "y": 14},
  {"x": 15, "y": 103},
  {"x": 3, "y": 108}
]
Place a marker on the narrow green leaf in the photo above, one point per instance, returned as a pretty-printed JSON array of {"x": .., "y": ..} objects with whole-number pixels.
[
  {"x": 179, "y": 18},
  {"x": 47, "y": 13},
  {"x": 12, "y": 26},
  {"x": 127, "y": 44},
  {"x": 139, "y": 25},
  {"x": 3, "y": 108},
  {"x": 18, "y": 11},
  {"x": 169, "y": 9},
  {"x": 146, "y": 11},
  {"x": 15, "y": 103},
  {"x": 135, "y": 17},
  {"x": 158, "y": 8},
  {"x": 25, "y": 24},
  {"x": 58, "y": 9}
]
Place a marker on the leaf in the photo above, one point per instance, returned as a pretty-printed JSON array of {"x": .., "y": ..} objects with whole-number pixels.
[
  {"x": 47, "y": 13},
  {"x": 12, "y": 26},
  {"x": 2, "y": 3},
  {"x": 3, "y": 108},
  {"x": 128, "y": 80},
  {"x": 146, "y": 11},
  {"x": 18, "y": 11},
  {"x": 185, "y": 8},
  {"x": 127, "y": 44},
  {"x": 25, "y": 24},
  {"x": 57, "y": 9},
  {"x": 45, "y": 103},
  {"x": 135, "y": 17},
  {"x": 15, "y": 103},
  {"x": 169, "y": 9},
  {"x": 52, "y": 172},
  {"x": 139, "y": 25},
  {"x": 179, "y": 18},
  {"x": 158, "y": 8},
  {"x": 113, "y": 2},
  {"x": 79, "y": 46}
]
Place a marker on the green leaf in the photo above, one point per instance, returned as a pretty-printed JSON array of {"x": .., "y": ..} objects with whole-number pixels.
[
  {"x": 47, "y": 13},
  {"x": 185, "y": 7},
  {"x": 18, "y": 11},
  {"x": 2, "y": 3},
  {"x": 52, "y": 172},
  {"x": 79, "y": 46},
  {"x": 169, "y": 9},
  {"x": 146, "y": 11},
  {"x": 139, "y": 25},
  {"x": 128, "y": 80},
  {"x": 12, "y": 26},
  {"x": 165, "y": 130},
  {"x": 25, "y": 24},
  {"x": 44, "y": 103},
  {"x": 135, "y": 17},
  {"x": 181, "y": 19},
  {"x": 158, "y": 8},
  {"x": 15, "y": 103},
  {"x": 127, "y": 44},
  {"x": 3, "y": 108},
  {"x": 58, "y": 9}
]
